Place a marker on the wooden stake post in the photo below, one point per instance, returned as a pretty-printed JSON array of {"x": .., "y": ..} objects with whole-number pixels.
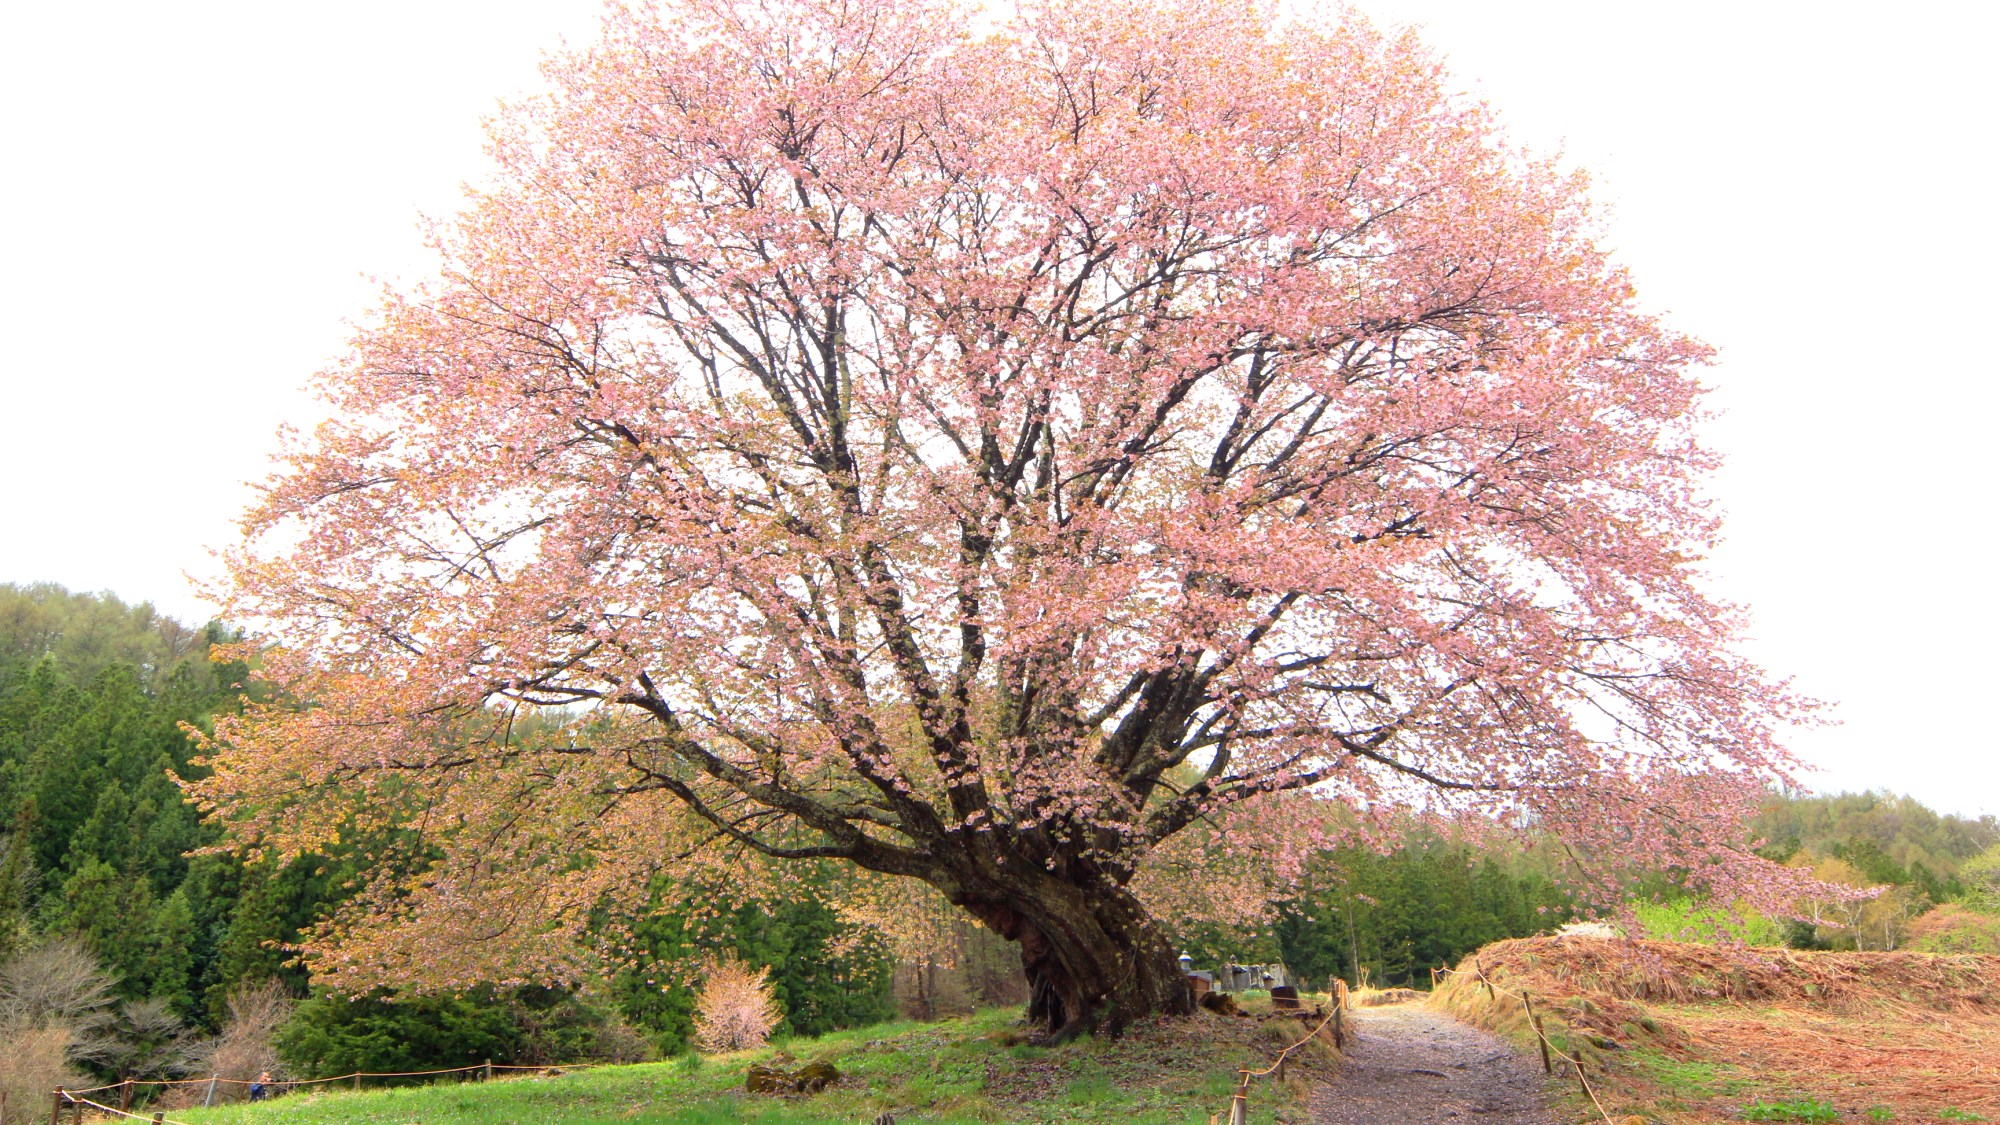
[
  {"x": 1541, "y": 1037},
  {"x": 1339, "y": 1015}
]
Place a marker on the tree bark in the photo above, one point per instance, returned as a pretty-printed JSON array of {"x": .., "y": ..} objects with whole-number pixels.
[{"x": 1094, "y": 958}]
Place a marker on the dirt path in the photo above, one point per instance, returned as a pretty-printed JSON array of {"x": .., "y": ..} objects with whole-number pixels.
[{"x": 1410, "y": 1065}]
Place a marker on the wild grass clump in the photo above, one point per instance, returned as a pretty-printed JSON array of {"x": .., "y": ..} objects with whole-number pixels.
[{"x": 1800, "y": 1109}]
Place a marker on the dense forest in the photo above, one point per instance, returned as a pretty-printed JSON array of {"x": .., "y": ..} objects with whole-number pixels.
[
  {"x": 1940, "y": 874},
  {"x": 93, "y": 693},
  {"x": 106, "y": 872},
  {"x": 100, "y": 855}
]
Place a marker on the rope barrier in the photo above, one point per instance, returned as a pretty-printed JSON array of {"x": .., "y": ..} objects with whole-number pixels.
[
  {"x": 1286, "y": 1053},
  {"x": 156, "y": 1119},
  {"x": 1239, "y": 1102},
  {"x": 67, "y": 1097},
  {"x": 339, "y": 1077},
  {"x": 1574, "y": 1059}
]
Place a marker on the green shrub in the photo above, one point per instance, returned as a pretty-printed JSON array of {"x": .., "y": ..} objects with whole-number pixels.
[
  {"x": 384, "y": 1034},
  {"x": 1689, "y": 919}
]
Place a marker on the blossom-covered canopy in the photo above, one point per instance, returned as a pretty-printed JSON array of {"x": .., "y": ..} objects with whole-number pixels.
[{"x": 1009, "y": 453}]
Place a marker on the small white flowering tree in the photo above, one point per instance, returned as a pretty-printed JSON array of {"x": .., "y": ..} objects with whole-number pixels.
[{"x": 736, "y": 1008}]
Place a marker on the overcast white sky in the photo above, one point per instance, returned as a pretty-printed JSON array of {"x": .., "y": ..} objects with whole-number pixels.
[{"x": 193, "y": 193}]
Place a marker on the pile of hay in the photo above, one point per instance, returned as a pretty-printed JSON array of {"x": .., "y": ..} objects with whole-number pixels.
[
  {"x": 1676, "y": 973},
  {"x": 1916, "y": 1033}
]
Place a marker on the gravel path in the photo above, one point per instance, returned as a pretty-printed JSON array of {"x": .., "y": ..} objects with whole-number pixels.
[{"x": 1410, "y": 1065}]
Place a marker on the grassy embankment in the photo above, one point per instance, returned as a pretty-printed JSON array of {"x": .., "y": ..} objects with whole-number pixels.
[
  {"x": 1693, "y": 1034},
  {"x": 978, "y": 1069}
]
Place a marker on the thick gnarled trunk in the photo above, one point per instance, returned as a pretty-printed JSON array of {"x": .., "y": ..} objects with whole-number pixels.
[{"x": 1095, "y": 960}]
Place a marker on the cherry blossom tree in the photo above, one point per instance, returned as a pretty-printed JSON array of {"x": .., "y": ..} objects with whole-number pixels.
[{"x": 1051, "y": 458}]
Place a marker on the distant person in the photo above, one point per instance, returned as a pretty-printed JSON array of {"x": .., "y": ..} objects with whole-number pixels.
[{"x": 261, "y": 1088}]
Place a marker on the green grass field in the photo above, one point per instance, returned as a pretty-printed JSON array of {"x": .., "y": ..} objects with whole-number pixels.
[{"x": 968, "y": 1070}]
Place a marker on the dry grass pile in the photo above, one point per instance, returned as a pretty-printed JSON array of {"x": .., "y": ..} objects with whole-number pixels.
[
  {"x": 1678, "y": 973},
  {"x": 1375, "y": 997},
  {"x": 1698, "y": 1033}
]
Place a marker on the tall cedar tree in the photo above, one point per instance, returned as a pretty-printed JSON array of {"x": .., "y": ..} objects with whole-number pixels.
[{"x": 1031, "y": 453}]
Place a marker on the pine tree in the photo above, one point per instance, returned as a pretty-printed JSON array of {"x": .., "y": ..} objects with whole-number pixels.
[
  {"x": 16, "y": 878},
  {"x": 112, "y": 914},
  {"x": 107, "y": 836},
  {"x": 171, "y": 960}
]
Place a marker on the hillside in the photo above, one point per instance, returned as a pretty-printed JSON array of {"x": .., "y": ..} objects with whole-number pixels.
[
  {"x": 1694, "y": 1033},
  {"x": 956, "y": 1072}
]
